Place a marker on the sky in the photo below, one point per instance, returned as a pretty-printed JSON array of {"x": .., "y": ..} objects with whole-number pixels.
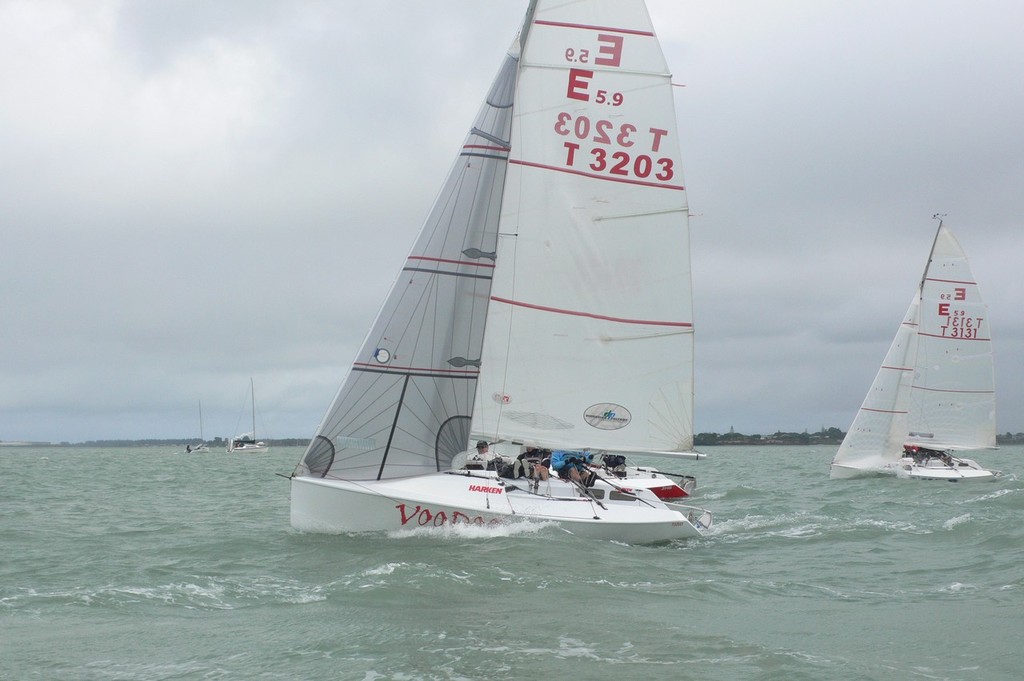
[{"x": 196, "y": 194}]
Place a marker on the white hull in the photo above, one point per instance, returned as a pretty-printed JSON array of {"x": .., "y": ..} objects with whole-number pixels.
[
  {"x": 908, "y": 469},
  {"x": 482, "y": 498},
  {"x": 958, "y": 470},
  {"x": 249, "y": 448}
]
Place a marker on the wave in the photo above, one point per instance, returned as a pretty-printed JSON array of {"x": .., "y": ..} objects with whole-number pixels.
[
  {"x": 202, "y": 594},
  {"x": 461, "y": 531}
]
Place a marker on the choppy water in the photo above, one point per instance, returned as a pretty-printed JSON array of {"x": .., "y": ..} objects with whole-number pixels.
[{"x": 144, "y": 564}]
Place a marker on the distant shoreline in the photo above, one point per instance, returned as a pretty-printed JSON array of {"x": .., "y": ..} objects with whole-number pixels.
[
  {"x": 832, "y": 437},
  {"x": 218, "y": 443}
]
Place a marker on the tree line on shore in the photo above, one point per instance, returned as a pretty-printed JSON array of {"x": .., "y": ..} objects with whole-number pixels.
[{"x": 825, "y": 436}]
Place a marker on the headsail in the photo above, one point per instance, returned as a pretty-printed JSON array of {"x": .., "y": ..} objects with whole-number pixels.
[
  {"x": 879, "y": 429},
  {"x": 405, "y": 407},
  {"x": 589, "y": 332}
]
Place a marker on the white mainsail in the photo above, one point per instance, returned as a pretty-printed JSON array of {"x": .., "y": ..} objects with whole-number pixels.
[
  {"x": 952, "y": 403},
  {"x": 936, "y": 387},
  {"x": 589, "y": 333}
]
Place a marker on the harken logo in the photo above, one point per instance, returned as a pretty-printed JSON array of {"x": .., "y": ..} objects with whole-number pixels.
[
  {"x": 486, "y": 489},
  {"x": 607, "y": 416}
]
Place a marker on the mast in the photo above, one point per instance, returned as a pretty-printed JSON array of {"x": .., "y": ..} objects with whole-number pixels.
[
  {"x": 931, "y": 253},
  {"x": 524, "y": 32},
  {"x": 252, "y": 392}
]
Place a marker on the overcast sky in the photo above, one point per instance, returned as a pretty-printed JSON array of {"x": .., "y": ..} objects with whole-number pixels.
[{"x": 193, "y": 193}]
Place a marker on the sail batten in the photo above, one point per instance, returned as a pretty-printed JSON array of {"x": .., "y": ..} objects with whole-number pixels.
[
  {"x": 586, "y": 27},
  {"x": 594, "y": 175},
  {"x": 592, "y": 315}
]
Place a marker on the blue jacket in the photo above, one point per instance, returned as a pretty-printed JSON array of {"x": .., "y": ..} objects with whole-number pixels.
[{"x": 560, "y": 458}]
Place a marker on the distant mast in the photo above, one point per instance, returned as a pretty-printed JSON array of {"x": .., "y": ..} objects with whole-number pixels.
[{"x": 252, "y": 393}]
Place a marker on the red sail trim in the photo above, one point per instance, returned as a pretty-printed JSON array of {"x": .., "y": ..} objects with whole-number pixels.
[
  {"x": 486, "y": 147},
  {"x": 453, "y": 262},
  {"x": 952, "y": 281},
  {"x": 591, "y": 315},
  {"x": 587, "y": 27},
  {"x": 952, "y": 338},
  {"x": 945, "y": 390},
  {"x": 596, "y": 176}
]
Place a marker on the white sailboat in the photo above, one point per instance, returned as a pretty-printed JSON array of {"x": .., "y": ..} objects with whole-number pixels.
[
  {"x": 201, "y": 446},
  {"x": 562, "y": 231},
  {"x": 247, "y": 442},
  {"x": 935, "y": 392}
]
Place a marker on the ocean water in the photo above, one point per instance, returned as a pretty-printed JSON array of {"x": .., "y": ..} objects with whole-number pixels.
[{"x": 149, "y": 564}]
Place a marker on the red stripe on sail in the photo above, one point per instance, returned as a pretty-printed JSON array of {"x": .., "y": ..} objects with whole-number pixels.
[
  {"x": 486, "y": 147},
  {"x": 952, "y": 281},
  {"x": 453, "y": 262},
  {"x": 952, "y": 338},
  {"x": 543, "y": 166},
  {"x": 946, "y": 390},
  {"x": 577, "y": 313},
  {"x": 587, "y": 27}
]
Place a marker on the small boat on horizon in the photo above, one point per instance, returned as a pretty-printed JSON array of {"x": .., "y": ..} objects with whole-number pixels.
[
  {"x": 201, "y": 446},
  {"x": 247, "y": 442}
]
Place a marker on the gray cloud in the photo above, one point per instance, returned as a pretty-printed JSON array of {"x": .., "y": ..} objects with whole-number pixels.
[{"x": 195, "y": 193}]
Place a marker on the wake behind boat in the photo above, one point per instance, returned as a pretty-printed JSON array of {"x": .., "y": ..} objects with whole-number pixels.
[
  {"x": 562, "y": 231},
  {"x": 935, "y": 392}
]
